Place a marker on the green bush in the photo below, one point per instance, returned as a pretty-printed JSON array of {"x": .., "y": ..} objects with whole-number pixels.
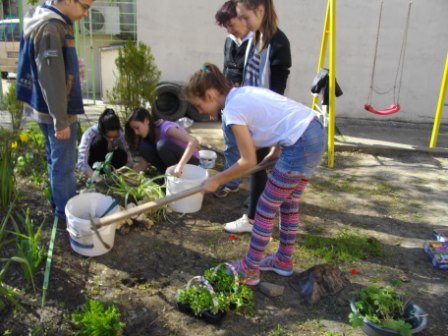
[
  {"x": 7, "y": 178},
  {"x": 97, "y": 319},
  {"x": 137, "y": 79},
  {"x": 14, "y": 107}
]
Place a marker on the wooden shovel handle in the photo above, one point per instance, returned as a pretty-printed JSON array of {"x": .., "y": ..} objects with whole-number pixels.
[{"x": 144, "y": 207}]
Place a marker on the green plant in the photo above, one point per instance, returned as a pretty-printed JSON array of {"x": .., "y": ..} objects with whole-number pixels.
[
  {"x": 200, "y": 299},
  {"x": 97, "y": 318},
  {"x": 137, "y": 80},
  {"x": 7, "y": 294},
  {"x": 216, "y": 292},
  {"x": 135, "y": 187},
  {"x": 29, "y": 249},
  {"x": 238, "y": 296},
  {"x": 382, "y": 306},
  {"x": 14, "y": 107},
  {"x": 7, "y": 177},
  {"x": 278, "y": 331}
]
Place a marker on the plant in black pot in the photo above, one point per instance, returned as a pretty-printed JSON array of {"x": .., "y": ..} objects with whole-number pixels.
[
  {"x": 383, "y": 311},
  {"x": 211, "y": 296}
]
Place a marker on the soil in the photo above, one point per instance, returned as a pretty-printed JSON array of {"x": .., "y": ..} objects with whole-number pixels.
[{"x": 397, "y": 199}]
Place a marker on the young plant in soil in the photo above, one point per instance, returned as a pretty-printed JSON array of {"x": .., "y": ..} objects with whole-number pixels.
[
  {"x": 382, "y": 306},
  {"x": 217, "y": 293},
  {"x": 97, "y": 318},
  {"x": 30, "y": 251}
]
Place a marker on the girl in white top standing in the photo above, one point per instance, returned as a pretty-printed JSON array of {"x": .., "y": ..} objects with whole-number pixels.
[{"x": 262, "y": 118}]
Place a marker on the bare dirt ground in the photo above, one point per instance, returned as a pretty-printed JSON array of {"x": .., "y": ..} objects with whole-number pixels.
[{"x": 396, "y": 199}]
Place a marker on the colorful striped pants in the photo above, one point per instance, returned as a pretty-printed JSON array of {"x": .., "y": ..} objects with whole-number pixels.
[{"x": 283, "y": 191}]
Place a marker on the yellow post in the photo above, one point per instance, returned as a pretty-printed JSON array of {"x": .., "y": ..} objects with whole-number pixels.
[
  {"x": 438, "y": 117},
  {"x": 332, "y": 71},
  {"x": 329, "y": 31},
  {"x": 323, "y": 49}
]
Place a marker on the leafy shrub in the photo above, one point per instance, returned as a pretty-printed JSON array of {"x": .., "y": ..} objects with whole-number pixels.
[
  {"x": 97, "y": 318},
  {"x": 14, "y": 107},
  {"x": 7, "y": 178},
  {"x": 137, "y": 80}
]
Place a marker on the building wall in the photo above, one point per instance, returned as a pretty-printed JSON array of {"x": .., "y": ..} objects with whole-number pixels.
[{"x": 183, "y": 34}]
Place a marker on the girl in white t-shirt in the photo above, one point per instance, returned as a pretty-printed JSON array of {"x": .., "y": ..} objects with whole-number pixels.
[{"x": 262, "y": 118}]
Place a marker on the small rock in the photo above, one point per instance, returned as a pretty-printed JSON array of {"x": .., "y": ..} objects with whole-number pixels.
[{"x": 271, "y": 290}]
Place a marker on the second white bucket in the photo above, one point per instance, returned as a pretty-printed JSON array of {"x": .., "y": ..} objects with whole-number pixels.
[{"x": 192, "y": 176}]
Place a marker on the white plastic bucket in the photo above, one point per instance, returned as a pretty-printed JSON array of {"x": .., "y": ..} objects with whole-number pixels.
[
  {"x": 192, "y": 176},
  {"x": 207, "y": 158},
  {"x": 79, "y": 210}
]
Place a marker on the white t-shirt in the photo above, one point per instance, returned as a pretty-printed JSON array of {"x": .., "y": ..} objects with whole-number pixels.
[{"x": 272, "y": 119}]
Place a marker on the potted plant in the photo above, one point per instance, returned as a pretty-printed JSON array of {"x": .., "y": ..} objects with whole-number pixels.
[
  {"x": 383, "y": 311},
  {"x": 211, "y": 296}
]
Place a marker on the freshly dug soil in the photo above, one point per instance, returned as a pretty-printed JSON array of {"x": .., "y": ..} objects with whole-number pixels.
[{"x": 395, "y": 199}]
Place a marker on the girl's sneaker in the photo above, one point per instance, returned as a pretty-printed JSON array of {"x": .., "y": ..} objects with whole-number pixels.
[
  {"x": 246, "y": 275},
  {"x": 271, "y": 263}
]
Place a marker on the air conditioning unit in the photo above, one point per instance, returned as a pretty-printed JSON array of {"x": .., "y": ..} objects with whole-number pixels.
[{"x": 105, "y": 20}]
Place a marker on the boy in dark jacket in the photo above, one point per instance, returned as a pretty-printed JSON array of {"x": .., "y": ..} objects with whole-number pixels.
[{"x": 48, "y": 80}]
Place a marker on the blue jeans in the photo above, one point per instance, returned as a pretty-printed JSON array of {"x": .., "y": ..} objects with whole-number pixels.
[
  {"x": 305, "y": 155},
  {"x": 231, "y": 152},
  {"x": 61, "y": 158}
]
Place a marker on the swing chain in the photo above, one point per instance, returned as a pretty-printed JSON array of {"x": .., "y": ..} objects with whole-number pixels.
[{"x": 400, "y": 67}]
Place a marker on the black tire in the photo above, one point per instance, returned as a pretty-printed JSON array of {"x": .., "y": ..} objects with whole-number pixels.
[
  {"x": 4, "y": 74},
  {"x": 192, "y": 113},
  {"x": 170, "y": 103}
]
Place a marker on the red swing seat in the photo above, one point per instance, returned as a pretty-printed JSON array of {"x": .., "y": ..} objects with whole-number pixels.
[{"x": 394, "y": 108}]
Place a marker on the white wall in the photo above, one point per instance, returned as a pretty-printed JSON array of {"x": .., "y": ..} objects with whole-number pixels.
[{"x": 183, "y": 34}]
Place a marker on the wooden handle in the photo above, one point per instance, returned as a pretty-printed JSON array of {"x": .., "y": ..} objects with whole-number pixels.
[{"x": 152, "y": 205}]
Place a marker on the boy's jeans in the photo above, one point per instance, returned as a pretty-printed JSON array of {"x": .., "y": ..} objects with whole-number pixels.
[
  {"x": 61, "y": 158},
  {"x": 231, "y": 153}
]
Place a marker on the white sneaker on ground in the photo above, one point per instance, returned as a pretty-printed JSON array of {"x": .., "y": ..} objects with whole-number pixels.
[{"x": 241, "y": 225}]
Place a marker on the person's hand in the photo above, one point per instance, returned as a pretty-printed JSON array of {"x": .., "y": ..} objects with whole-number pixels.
[
  {"x": 177, "y": 171},
  {"x": 210, "y": 185},
  {"x": 269, "y": 159},
  {"x": 63, "y": 134}
]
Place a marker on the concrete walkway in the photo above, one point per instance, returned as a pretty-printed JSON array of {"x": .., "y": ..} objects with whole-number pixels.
[
  {"x": 372, "y": 136},
  {"x": 363, "y": 135}
]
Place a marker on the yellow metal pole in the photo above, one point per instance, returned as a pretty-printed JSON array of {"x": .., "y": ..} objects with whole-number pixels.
[
  {"x": 323, "y": 49},
  {"x": 332, "y": 70},
  {"x": 438, "y": 117}
]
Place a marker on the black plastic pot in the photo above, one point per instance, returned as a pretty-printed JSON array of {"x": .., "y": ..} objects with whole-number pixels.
[
  {"x": 416, "y": 317},
  {"x": 207, "y": 316}
]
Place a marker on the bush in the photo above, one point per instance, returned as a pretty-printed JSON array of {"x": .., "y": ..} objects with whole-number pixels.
[
  {"x": 97, "y": 319},
  {"x": 137, "y": 80},
  {"x": 14, "y": 107}
]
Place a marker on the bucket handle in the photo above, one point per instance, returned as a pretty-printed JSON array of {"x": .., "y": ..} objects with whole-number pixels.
[
  {"x": 77, "y": 234},
  {"x": 111, "y": 206}
]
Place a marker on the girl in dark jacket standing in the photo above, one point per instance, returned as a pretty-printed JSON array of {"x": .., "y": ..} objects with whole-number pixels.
[{"x": 267, "y": 63}]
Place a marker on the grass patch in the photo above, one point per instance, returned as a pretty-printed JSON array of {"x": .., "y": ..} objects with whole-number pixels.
[
  {"x": 346, "y": 246},
  {"x": 334, "y": 183}
]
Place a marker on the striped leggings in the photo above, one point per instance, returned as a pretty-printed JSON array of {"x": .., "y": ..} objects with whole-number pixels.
[{"x": 282, "y": 192}]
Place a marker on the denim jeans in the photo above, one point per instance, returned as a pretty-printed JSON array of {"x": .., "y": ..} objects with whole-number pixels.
[
  {"x": 305, "y": 155},
  {"x": 231, "y": 152},
  {"x": 61, "y": 159}
]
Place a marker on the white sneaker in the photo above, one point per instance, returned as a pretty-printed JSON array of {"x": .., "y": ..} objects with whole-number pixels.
[{"x": 242, "y": 224}]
